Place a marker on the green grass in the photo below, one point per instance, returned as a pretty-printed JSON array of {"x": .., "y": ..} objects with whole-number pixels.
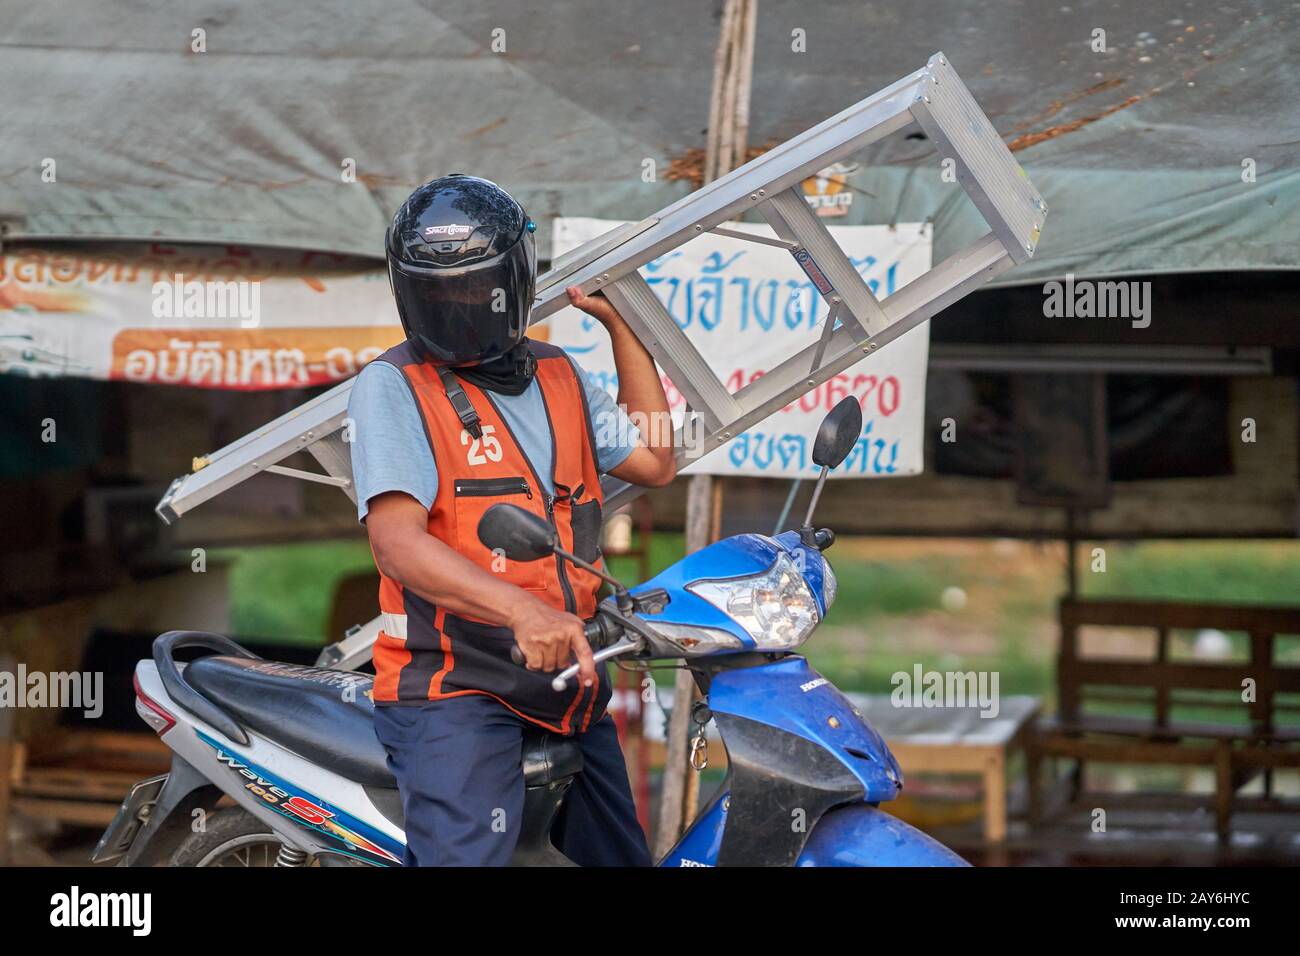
[
  {"x": 1239, "y": 572},
  {"x": 283, "y": 593},
  {"x": 869, "y": 588},
  {"x": 665, "y": 549}
]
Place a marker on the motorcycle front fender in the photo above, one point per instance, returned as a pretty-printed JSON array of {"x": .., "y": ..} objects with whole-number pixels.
[
  {"x": 862, "y": 835},
  {"x": 852, "y": 835}
]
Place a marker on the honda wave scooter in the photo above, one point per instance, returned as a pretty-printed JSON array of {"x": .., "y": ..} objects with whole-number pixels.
[{"x": 295, "y": 749}]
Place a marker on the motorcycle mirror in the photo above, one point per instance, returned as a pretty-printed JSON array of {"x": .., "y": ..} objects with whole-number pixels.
[
  {"x": 837, "y": 434},
  {"x": 518, "y": 534}
]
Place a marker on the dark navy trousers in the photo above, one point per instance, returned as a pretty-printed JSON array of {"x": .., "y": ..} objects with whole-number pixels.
[{"x": 457, "y": 767}]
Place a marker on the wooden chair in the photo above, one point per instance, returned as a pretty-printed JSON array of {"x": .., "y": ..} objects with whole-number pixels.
[{"x": 1261, "y": 742}]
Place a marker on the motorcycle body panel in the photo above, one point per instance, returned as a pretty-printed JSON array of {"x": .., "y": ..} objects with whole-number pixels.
[
  {"x": 790, "y": 696},
  {"x": 350, "y": 835},
  {"x": 863, "y": 835},
  {"x": 783, "y": 725},
  {"x": 272, "y": 782}
]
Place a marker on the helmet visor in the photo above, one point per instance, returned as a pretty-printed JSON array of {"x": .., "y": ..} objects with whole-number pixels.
[{"x": 468, "y": 315}]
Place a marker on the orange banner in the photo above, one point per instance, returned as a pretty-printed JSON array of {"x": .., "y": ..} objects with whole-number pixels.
[{"x": 248, "y": 358}]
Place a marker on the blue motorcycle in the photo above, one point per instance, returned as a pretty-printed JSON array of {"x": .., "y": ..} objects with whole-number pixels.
[{"x": 293, "y": 746}]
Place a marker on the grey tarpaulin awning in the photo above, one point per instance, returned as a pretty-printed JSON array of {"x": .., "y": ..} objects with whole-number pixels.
[{"x": 1138, "y": 150}]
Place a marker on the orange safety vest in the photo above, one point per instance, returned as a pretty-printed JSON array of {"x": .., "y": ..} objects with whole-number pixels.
[{"x": 425, "y": 652}]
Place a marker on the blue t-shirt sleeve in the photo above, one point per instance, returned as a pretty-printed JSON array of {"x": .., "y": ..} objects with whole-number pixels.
[
  {"x": 390, "y": 449},
  {"x": 615, "y": 434}
]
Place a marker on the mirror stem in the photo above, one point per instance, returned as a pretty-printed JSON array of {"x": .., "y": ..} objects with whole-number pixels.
[
  {"x": 805, "y": 533},
  {"x": 620, "y": 593}
]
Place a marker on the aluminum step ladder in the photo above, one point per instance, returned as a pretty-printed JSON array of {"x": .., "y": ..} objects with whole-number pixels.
[{"x": 933, "y": 99}]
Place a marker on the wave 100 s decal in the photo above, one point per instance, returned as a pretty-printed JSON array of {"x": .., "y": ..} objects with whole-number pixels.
[{"x": 307, "y": 809}]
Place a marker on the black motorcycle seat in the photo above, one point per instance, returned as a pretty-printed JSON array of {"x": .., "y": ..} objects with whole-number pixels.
[{"x": 325, "y": 716}]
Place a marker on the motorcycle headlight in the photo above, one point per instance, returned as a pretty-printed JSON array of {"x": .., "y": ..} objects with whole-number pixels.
[{"x": 776, "y": 608}]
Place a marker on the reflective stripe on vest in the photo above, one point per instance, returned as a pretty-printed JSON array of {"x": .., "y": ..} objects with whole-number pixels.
[{"x": 394, "y": 625}]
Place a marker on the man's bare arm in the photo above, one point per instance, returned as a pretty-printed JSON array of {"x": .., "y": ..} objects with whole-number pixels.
[
  {"x": 641, "y": 394},
  {"x": 406, "y": 552}
]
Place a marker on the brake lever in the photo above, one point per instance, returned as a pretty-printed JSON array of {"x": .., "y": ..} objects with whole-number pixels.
[{"x": 621, "y": 646}]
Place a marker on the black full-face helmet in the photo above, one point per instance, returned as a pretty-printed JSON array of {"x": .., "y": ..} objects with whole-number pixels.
[{"x": 463, "y": 266}]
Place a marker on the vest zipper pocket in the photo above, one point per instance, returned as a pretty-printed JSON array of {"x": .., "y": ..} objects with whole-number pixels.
[
  {"x": 491, "y": 487},
  {"x": 570, "y": 602},
  {"x": 472, "y": 499}
]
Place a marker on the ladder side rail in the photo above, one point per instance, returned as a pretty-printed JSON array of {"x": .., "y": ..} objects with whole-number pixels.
[
  {"x": 569, "y": 262},
  {"x": 305, "y": 412},
  {"x": 354, "y": 650}
]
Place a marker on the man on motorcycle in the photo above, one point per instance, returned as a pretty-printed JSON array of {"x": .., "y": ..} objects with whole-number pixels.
[{"x": 468, "y": 412}]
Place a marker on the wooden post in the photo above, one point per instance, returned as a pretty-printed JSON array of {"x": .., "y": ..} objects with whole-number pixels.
[
  {"x": 725, "y": 149},
  {"x": 680, "y": 785},
  {"x": 1071, "y": 557}
]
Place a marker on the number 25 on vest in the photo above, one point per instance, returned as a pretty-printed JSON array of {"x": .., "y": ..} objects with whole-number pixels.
[{"x": 491, "y": 447}]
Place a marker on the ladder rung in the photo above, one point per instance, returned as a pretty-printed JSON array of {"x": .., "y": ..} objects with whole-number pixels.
[
  {"x": 822, "y": 259},
  {"x": 786, "y": 244},
  {"x": 659, "y": 332},
  {"x": 828, "y": 329},
  {"x": 335, "y": 455},
  {"x": 301, "y": 475}
]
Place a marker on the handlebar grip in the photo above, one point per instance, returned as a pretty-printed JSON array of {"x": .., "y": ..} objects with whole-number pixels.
[{"x": 592, "y": 629}]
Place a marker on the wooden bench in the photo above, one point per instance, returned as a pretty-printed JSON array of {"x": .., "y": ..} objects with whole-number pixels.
[{"x": 1262, "y": 740}]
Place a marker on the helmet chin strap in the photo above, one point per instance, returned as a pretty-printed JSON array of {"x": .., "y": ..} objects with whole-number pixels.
[{"x": 469, "y": 419}]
